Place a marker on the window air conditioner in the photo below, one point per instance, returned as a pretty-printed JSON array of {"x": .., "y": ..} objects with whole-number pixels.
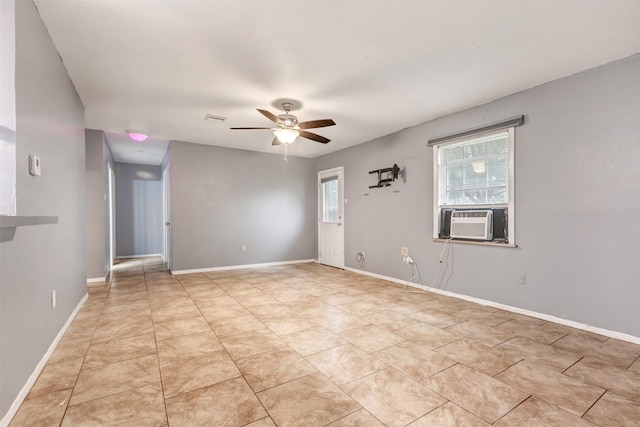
[{"x": 475, "y": 225}]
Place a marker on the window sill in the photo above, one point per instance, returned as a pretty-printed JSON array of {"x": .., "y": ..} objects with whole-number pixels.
[
  {"x": 12, "y": 221},
  {"x": 481, "y": 243}
]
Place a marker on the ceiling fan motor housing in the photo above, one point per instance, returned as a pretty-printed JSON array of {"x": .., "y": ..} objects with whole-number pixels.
[{"x": 287, "y": 120}]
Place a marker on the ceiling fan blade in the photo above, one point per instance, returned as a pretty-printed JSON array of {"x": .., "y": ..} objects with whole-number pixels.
[
  {"x": 269, "y": 115},
  {"x": 314, "y": 137},
  {"x": 312, "y": 124},
  {"x": 247, "y": 128},
  {"x": 276, "y": 141}
]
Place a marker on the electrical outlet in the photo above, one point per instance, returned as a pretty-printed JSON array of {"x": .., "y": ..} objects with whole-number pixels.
[
  {"x": 243, "y": 248},
  {"x": 522, "y": 279},
  {"x": 404, "y": 251},
  {"x": 53, "y": 299}
]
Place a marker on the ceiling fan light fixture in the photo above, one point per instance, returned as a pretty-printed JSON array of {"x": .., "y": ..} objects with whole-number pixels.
[
  {"x": 137, "y": 135},
  {"x": 286, "y": 136}
]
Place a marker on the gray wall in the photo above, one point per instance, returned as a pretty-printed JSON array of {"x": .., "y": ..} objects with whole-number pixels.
[
  {"x": 138, "y": 209},
  {"x": 223, "y": 198},
  {"x": 577, "y": 202},
  {"x": 95, "y": 204},
  {"x": 50, "y": 124}
]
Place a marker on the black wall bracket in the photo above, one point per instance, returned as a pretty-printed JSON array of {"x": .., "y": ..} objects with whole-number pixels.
[{"x": 387, "y": 175}]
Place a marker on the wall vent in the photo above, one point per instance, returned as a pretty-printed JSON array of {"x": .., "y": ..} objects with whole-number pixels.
[{"x": 215, "y": 118}]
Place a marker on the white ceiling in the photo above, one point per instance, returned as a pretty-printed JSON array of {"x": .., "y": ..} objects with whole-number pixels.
[{"x": 375, "y": 67}]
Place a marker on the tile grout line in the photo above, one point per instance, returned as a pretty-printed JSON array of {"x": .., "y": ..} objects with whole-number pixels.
[
  {"x": 514, "y": 408},
  {"x": 228, "y": 355},
  {"x": 75, "y": 383},
  {"x": 593, "y": 404},
  {"x": 155, "y": 342}
]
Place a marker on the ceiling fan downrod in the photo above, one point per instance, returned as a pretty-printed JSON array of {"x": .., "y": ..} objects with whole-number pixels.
[{"x": 287, "y": 106}]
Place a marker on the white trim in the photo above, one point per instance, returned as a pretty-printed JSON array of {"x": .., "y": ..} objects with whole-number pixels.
[
  {"x": 510, "y": 205},
  {"x": 573, "y": 324},
  {"x": 436, "y": 193},
  {"x": 328, "y": 173},
  {"x": 240, "y": 267},
  {"x": 111, "y": 190},
  {"x": 138, "y": 256},
  {"x": 39, "y": 367},
  {"x": 97, "y": 279},
  {"x": 377, "y": 276}
]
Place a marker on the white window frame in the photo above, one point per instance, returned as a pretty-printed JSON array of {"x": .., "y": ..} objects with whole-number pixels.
[
  {"x": 510, "y": 205},
  {"x": 8, "y": 109}
]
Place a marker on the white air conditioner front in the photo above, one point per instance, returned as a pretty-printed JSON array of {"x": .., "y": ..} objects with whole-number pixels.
[{"x": 474, "y": 225}]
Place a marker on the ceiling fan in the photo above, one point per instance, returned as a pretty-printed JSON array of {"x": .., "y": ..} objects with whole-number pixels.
[{"x": 289, "y": 128}]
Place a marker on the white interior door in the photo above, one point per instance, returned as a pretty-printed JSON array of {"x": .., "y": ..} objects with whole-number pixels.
[{"x": 331, "y": 217}]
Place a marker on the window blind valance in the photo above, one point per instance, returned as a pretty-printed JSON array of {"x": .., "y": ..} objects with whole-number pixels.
[{"x": 503, "y": 124}]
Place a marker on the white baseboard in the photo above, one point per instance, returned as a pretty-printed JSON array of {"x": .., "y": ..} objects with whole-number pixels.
[
  {"x": 577, "y": 325},
  {"x": 96, "y": 279},
  {"x": 240, "y": 267},
  {"x": 39, "y": 367},
  {"x": 138, "y": 256}
]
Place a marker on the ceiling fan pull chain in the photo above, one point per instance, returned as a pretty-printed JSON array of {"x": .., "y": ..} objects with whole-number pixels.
[{"x": 285, "y": 153}]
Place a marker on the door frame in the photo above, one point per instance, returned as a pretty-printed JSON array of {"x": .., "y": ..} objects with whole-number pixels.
[
  {"x": 339, "y": 171},
  {"x": 112, "y": 213},
  {"x": 166, "y": 215}
]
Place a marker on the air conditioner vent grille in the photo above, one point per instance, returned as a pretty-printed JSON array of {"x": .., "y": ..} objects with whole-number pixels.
[
  {"x": 472, "y": 224},
  {"x": 472, "y": 214}
]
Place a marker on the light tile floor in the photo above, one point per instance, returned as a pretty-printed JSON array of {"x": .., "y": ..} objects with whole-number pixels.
[{"x": 308, "y": 345}]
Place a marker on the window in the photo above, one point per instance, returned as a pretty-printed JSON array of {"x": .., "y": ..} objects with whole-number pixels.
[
  {"x": 330, "y": 200},
  {"x": 476, "y": 172}
]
